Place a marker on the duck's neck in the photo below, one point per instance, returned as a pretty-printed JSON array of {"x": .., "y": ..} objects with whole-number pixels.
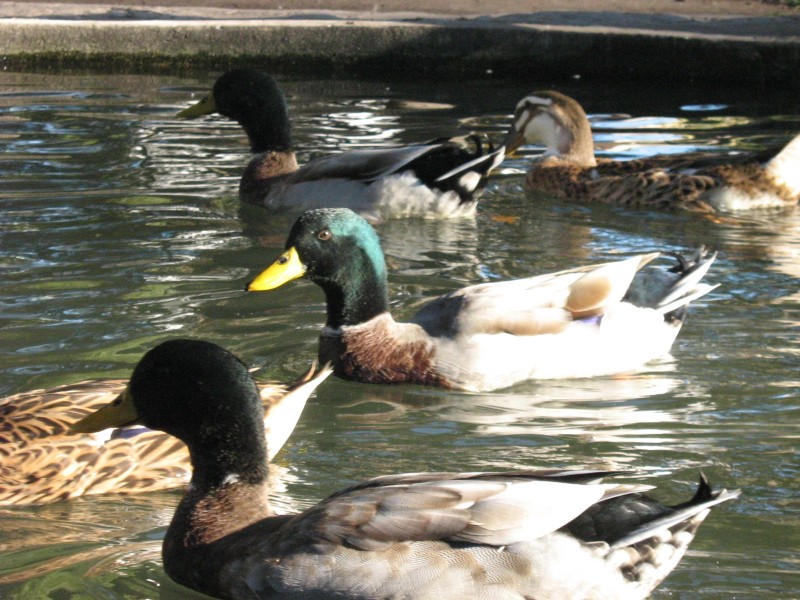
[
  {"x": 355, "y": 294},
  {"x": 262, "y": 172},
  {"x": 267, "y": 129},
  {"x": 238, "y": 453},
  {"x": 575, "y": 144},
  {"x": 204, "y": 517},
  {"x": 351, "y": 305},
  {"x": 228, "y": 492},
  {"x": 568, "y": 136},
  {"x": 227, "y": 462}
]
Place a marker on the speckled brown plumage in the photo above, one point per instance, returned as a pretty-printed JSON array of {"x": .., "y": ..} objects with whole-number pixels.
[
  {"x": 615, "y": 182},
  {"x": 42, "y": 461},
  {"x": 39, "y": 414},
  {"x": 696, "y": 182}
]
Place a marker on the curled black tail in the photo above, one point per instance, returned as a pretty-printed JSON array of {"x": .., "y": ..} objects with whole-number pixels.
[
  {"x": 671, "y": 290},
  {"x": 459, "y": 165}
]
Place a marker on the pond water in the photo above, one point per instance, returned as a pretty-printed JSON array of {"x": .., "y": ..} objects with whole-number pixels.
[{"x": 121, "y": 228}]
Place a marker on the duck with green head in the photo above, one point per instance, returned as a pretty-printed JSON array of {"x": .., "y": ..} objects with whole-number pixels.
[
  {"x": 596, "y": 320},
  {"x": 439, "y": 179},
  {"x": 549, "y": 534}
]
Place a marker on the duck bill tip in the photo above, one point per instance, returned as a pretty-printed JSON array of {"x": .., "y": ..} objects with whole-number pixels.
[
  {"x": 205, "y": 106},
  {"x": 286, "y": 268}
]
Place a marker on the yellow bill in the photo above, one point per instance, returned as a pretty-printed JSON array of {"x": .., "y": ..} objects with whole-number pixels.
[
  {"x": 118, "y": 413},
  {"x": 205, "y": 106},
  {"x": 285, "y": 269}
]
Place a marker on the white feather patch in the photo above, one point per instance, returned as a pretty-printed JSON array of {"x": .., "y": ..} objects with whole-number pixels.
[
  {"x": 785, "y": 167},
  {"x": 528, "y": 510}
]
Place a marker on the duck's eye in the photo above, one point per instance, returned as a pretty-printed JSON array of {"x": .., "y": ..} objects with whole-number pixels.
[
  {"x": 121, "y": 398},
  {"x": 325, "y": 235}
]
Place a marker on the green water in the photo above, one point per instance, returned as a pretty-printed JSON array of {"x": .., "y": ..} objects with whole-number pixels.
[{"x": 120, "y": 228}]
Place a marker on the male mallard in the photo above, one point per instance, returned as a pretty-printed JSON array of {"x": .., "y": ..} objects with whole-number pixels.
[
  {"x": 439, "y": 179},
  {"x": 568, "y": 169},
  {"x": 43, "y": 462},
  {"x": 595, "y": 320},
  {"x": 535, "y": 534}
]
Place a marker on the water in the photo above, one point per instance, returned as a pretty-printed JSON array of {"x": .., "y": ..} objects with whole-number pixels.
[{"x": 120, "y": 228}]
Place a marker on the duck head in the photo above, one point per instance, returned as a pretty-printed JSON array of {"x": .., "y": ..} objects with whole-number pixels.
[
  {"x": 203, "y": 395},
  {"x": 556, "y": 121},
  {"x": 339, "y": 251},
  {"x": 252, "y": 99}
]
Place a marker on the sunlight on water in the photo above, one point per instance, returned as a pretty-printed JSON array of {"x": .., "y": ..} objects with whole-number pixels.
[{"x": 121, "y": 228}]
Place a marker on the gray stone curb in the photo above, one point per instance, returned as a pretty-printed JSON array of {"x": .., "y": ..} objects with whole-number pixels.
[{"x": 601, "y": 45}]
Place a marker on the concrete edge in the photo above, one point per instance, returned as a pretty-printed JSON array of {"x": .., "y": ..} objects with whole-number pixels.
[{"x": 442, "y": 48}]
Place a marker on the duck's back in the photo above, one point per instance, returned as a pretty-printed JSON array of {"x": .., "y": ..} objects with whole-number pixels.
[
  {"x": 477, "y": 535},
  {"x": 662, "y": 183}
]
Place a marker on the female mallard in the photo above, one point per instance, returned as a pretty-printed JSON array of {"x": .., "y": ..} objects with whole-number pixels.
[
  {"x": 440, "y": 179},
  {"x": 596, "y": 320},
  {"x": 43, "y": 462},
  {"x": 533, "y": 534},
  {"x": 568, "y": 169}
]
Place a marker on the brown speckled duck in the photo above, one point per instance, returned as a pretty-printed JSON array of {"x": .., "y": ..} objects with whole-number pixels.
[
  {"x": 440, "y": 179},
  {"x": 42, "y": 461},
  {"x": 568, "y": 169},
  {"x": 547, "y": 535},
  {"x": 589, "y": 321}
]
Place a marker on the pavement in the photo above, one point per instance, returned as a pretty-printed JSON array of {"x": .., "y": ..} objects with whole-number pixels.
[{"x": 741, "y": 42}]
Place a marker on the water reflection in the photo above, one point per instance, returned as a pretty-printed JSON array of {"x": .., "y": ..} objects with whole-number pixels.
[
  {"x": 97, "y": 537},
  {"x": 430, "y": 248},
  {"x": 80, "y": 547},
  {"x": 596, "y": 410}
]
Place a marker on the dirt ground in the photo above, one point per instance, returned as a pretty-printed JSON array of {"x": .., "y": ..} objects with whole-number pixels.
[{"x": 468, "y": 7}]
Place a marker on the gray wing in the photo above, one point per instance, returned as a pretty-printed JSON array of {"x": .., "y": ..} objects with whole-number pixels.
[
  {"x": 361, "y": 165},
  {"x": 477, "y": 508},
  {"x": 532, "y": 306}
]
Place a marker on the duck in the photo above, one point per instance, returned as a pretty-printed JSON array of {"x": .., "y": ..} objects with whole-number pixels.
[
  {"x": 589, "y": 321},
  {"x": 697, "y": 182},
  {"x": 42, "y": 461},
  {"x": 439, "y": 179},
  {"x": 545, "y": 534}
]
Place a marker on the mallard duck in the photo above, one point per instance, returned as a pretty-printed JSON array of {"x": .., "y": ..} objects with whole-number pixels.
[
  {"x": 43, "y": 462},
  {"x": 548, "y": 534},
  {"x": 596, "y": 320},
  {"x": 698, "y": 182},
  {"x": 439, "y": 179}
]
